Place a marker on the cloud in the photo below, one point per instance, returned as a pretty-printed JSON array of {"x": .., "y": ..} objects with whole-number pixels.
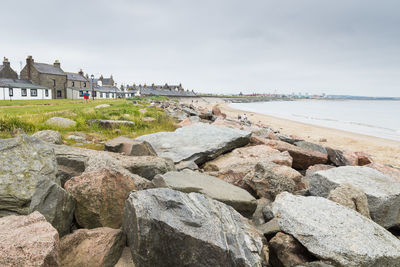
[{"x": 343, "y": 47}]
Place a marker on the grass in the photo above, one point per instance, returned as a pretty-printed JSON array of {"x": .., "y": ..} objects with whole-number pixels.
[{"x": 31, "y": 115}]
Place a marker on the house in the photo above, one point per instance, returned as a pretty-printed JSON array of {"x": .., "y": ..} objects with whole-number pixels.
[
  {"x": 6, "y": 71},
  {"x": 46, "y": 75},
  {"x": 162, "y": 90},
  {"x": 16, "y": 89},
  {"x": 76, "y": 84},
  {"x": 106, "y": 81}
]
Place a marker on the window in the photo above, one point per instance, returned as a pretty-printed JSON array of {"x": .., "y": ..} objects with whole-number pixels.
[
  {"x": 33, "y": 92},
  {"x": 59, "y": 94},
  {"x": 107, "y": 96},
  {"x": 73, "y": 84},
  {"x": 54, "y": 83},
  {"x": 80, "y": 93},
  {"x": 23, "y": 92},
  {"x": 10, "y": 92},
  {"x": 84, "y": 85},
  {"x": 46, "y": 92}
]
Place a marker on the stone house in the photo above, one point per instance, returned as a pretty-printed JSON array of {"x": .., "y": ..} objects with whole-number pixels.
[
  {"x": 106, "y": 81},
  {"x": 77, "y": 83},
  {"x": 47, "y": 75},
  {"x": 6, "y": 71}
]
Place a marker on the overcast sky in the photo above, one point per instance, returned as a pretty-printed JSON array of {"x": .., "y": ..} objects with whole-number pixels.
[{"x": 219, "y": 46}]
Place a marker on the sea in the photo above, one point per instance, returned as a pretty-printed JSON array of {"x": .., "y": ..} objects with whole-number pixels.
[{"x": 379, "y": 118}]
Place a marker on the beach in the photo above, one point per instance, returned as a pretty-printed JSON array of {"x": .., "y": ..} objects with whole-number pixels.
[{"x": 382, "y": 150}]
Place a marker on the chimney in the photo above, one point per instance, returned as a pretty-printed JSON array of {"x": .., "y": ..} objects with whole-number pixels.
[
  {"x": 6, "y": 62},
  {"x": 81, "y": 73},
  {"x": 29, "y": 60},
  {"x": 57, "y": 64}
]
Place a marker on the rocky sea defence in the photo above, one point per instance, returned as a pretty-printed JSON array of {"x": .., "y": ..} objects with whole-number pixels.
[{"x": 215, "y": 192}]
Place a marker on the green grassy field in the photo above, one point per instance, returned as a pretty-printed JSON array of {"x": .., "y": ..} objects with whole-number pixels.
[{"x": 30, "y": 115}]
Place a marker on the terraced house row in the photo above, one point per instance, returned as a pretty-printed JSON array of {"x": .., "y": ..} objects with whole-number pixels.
[{"x": 47, "y": 81}]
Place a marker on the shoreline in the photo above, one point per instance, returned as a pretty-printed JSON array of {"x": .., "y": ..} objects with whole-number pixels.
[{"x": 384, "y": 151}]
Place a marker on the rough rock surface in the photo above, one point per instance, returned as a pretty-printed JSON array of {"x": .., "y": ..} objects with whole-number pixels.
[
  {"x": 96, "y": 247},
  {"x": 28, "y": 241},
  {"x": 74, "y": 161},
  {"x": 186, "y": 165},
  {"x": 311, "y": 146},
  {"x": 351, "y": 158},
  {"x": 60, "y": 122},
  {"x": 318, "y": 167},
  {"x": 351, "y": 197},
  {"x": 302, "y": 158},
  {"x": 130, "y": 147},
  {"x": 336, "y": 157},
  {"x": 363, "y": 158},
  {"x": 382, "y": 192},
  {"x": 49, "y": 136},
  {"x": 188, "y": 181},
  {"x": 25, "y": 160},
  {"x": 269, "y": 179},
  {"x": 234, "y": 124},
  {"x": 111, "y": 124},
  {"x": 126, "y": 259},
  {"x": 335, "y": 233},
  {"x": 178, "y": 229},
  {"x": 387, "y": 170},
  {"x": 100, "y": 197},
  {"x": 55, "y": 204},
  {"x": 288, "y": 251},
  {"x": 200, "y": 142}
]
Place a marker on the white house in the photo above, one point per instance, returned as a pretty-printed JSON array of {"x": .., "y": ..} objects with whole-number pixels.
[{"x": 16, "y": 89}]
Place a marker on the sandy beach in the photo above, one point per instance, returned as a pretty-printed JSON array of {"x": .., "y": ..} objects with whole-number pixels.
[{"x": 383, "y": 151}]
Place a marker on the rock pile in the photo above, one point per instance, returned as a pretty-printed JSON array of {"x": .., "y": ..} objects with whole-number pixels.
[{"x": 216, "y": 192}]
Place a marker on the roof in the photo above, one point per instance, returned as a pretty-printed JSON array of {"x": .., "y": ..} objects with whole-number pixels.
[
  {"x": 17, "y": 83},
  {"x": 48, "y": 69},
  {"x": 106, "y": 80},
  {"x": 107, "y": 89},
  {"x": 75, "y": 77},
  {"x": 1, "y": 67},
  {"x": 158, "y": 92}
]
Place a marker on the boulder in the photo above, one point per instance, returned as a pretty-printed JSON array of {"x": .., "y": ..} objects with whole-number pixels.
[
  {"x": 288, "y": 251},
  {"x": 189, "y": 181},
  {"x": 111, "y": 124},
  {"x": 363, "y": 158},
  {"x": 269, "y": 179},
  {"x": 289, "y": 139},
  {"x": 25, "y": 160},
  {"x": 336, "y": 157},
  {"x": 200, "y": 142},
  {"x": 177, "y": 114},
  {"x": 382, "y": 192},
  {"x": 387, "y": 170},
  {"x": 318, "y": 167},
  {"x": 178, "y": 229},
  {"x": 270, "y": 228},
  {"x": 148, "y": 119},
  {"x": 335, "y": 233},
  {"x": 258, "y": 215},
  {"x": 130, "y": 147},
  {"x": 102, "y": 106},
  {"x": 100, "y": 197},
  {"x": 28, "y": 241},
  {"x": 351, "y": 197},
  {"x": 49, "y": 136},
  {"x": 55, "y": 204},
  {"x": 311, "y": 146},
  {"x": 302, "y": 158},
  {"x": 96, "y": 247},
  {"x": 61, "y": 122},
  {"x": 186, "y": 165},
  {"x": 351, "y": 158},
  {"x": 74, "y": 160},
  {"x": 216, "y": 111},
  {"x": 234, "y": 124}
]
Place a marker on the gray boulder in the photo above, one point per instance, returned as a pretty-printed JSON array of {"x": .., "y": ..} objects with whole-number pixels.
[
  {"x": 382, "y": 192},
  {"x": 75, "y": 161},
  {"x": 178, "y": 229},
  {"x": 200, "y": 142},
  {"x": 25, "y": 160},
  {"x": 55, "y": 204},
  {"x": 111, "y": 124},
  {"x": 130, "y": 147},
  {"x": 188, "y": 181},
  {"x": 49, "y": 136},
  {"x": 311, "y": 146},
  {"x": 336, "y": 157},
  {"x": 335, "y": 233},
  {"x": 60, "y": 122}
]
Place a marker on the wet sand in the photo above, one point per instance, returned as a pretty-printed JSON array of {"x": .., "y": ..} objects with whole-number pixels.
[{"x": 382, "y": 150}]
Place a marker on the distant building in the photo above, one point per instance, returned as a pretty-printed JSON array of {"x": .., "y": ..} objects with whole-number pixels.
[
  {"x": 76, "y": 84},
  {"x": 47, "y": 75},
  {"x": 6, "y": 71},
  {"x": 16, "y": 89},
  {"x": 106, "y": 81},
  {"x": 161, "y": 90}
]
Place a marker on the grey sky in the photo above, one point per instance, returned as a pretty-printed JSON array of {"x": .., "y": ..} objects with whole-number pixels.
[{"x": 219, "y": 46}]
